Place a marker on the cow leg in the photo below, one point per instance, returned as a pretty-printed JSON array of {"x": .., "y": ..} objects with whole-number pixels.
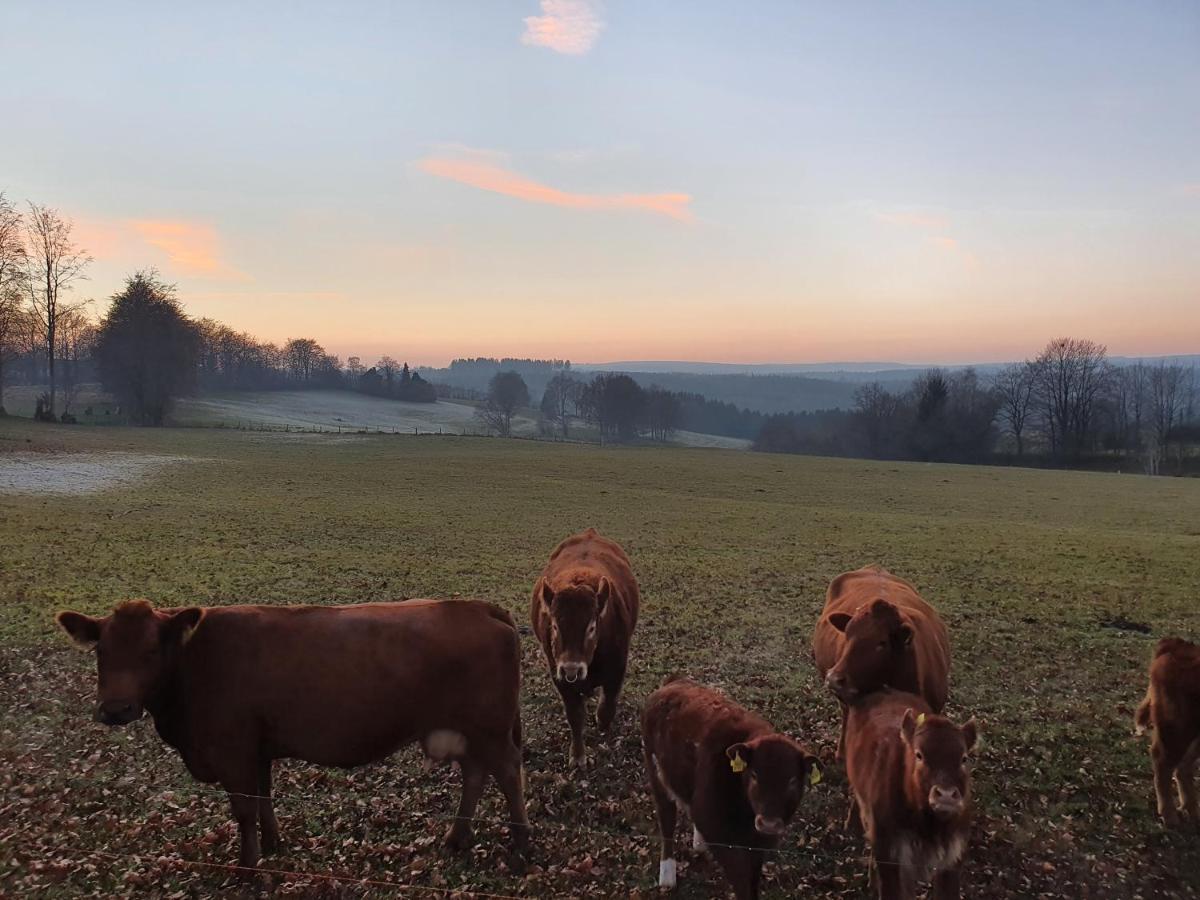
[
  {"x": 1165, "y": 762},
  {"x": 1185, "y": 781},
  {"x": 575, "y": 706},
  {"x": 510, "y": 776},
  {"x": 854, "y": 823},
  {"x": 840, "y": 756},
  {"x": 244, "y": 804},
  {"x": 742, "y": 868},
  {"x": 947, "y": 885},
  {"x": 266, "y": 809},
  {"x": 608, "y": 701},
  {"x": 664, "y": 806},
  {"x": 888, "y": 877},
  {"x": 458, "y": 837}
]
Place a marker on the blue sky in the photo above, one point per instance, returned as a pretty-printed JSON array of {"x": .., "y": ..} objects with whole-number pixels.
[{"x": 740, "y": 182}]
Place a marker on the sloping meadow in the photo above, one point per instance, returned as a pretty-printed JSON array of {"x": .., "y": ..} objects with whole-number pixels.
[{"x": 1049, "y": 582}]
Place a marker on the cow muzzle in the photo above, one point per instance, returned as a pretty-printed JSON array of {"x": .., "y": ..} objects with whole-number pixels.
[
  {"x": 840, "y": 686},
  {"x": 945, "y": 802},
  {"x": 118, "y": 712},
  {"x": 572, "y": 672},
  {"x": 769, "y": 825}
]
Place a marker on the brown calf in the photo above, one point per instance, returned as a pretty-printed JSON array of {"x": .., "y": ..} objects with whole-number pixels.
[
  {"x": 583, "y": 610},
  {"x": 738, "y": 779},
  {"x": 1172, "y": 709},
  {"x": 233, "y": 688},
  {"x": 875, "y": 631},
  {"x": 908, "y": 772}
]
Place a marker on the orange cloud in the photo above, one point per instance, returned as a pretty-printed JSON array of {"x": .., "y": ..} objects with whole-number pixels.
[
  {"x": 192, "y": 248},
  {"x": 565, "y": 26},
  {"x": 488, "y": 177},
  {"x": 1191, "y": 189}
]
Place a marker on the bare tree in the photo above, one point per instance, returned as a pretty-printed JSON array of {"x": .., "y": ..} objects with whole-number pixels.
[
  {"x": 1169, "y": 396},
  {"x": 53, "y": 263},
  {"x": 560, "y": 395},
  {"x": 303, "y": 356},
  {"x": 1071, "y": 375},
  {"x": 12, "y": 266},
  {"x": 76, "y": 338},
  {"x": 506, "y": 392},
  {"x": 389, "y": 369},
  {"x": 1015, "y": 386}
]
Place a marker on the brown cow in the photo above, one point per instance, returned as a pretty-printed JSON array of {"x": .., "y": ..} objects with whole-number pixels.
[
  {"x": 876, "y": 631},
  {"x": 908, "y": 771},
  {"x": 583, "y": 610},
  {"x": 233, "y": 688},
  {"x": 738, "y": 779},
  {"x": 1172, "y": 709}
]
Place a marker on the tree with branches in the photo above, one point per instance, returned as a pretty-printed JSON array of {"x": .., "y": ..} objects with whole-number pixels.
[
  {"x": 559, "y": 397},
  {"x": 53, "y": 263},
  {"x": 507, "y": 392},
  {"x": 1015, "y": 385}
]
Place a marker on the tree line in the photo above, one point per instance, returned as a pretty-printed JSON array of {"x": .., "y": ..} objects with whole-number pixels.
[
  {"x": 1069, "y": 405},
  {"x": 145, "y": 350}
]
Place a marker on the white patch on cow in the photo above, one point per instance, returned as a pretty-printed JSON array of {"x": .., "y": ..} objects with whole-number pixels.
[
  {"x": 698, "y": 843},
  {"x": 662, "y": 779},
  {"x": 926, "y": 860},
  {"x": 666, "y": 873},
  {"x": 442, "y": 743}
]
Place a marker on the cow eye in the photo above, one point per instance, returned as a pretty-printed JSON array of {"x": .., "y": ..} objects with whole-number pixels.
[
  {"x": 965, "y": 759},
  {"x": 920, "y": 756}
]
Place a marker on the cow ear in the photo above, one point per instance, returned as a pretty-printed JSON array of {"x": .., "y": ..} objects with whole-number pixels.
[
  {"x": 545, "y": 594},
  {"x": 903, "y": 635},
  {"x": 84, "y": 630},
  {"x": 179, "y": 627},
  {"x": 603, "y": 593},
  {"x": 839, "y": 621},
  {"x": 908, "y": 726},
  {"x": 970, "y": 733}
]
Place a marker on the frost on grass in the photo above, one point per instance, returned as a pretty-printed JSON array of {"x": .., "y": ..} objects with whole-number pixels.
[{"x": 77, "y": 473}]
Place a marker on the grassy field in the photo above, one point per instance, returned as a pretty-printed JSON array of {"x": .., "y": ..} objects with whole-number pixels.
[{"x": 1030, "y": 568}]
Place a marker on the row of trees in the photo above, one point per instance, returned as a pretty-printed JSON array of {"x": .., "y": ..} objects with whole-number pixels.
[
  {"x": 1069, "y": 405},
  {"x": 616, "y": 405}
]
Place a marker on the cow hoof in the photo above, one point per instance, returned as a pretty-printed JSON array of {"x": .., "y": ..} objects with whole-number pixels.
[
  {"x": 579, "y": 762},
  {"x": 457, "y": 838},
  {"x": 666, "y": 873}
]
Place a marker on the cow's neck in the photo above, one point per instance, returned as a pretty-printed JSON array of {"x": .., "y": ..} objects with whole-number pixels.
[{"x": 166, "y": 705}]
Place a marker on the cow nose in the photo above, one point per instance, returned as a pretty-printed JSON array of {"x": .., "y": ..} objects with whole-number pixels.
[
  {"x": 117, "y": 712},
  {"x": 945, "y": 798},
  {"x": 572, "y": 671},
  {"x": 837, "y": 684},
  {"x": 769, "y": 825}
]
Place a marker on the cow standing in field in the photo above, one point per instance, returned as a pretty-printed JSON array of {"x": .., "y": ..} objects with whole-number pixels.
[
  {"x": 875, "y": 631},
  {"x": 908, "y": 771},
  {"x": 739, "y": 780},
  {"x": 584, "y": 609},
  {"x": 1172, "y": 710},
  {"x": 234, "y": 688}
]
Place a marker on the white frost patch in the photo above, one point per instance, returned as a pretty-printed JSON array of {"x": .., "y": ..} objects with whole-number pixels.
[{"x": 76, "y": 473}]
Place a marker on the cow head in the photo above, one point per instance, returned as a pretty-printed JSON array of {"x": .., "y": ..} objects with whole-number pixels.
[
  {"x": 574, "y": 614},
  {"x": 938, "y": 753},
  {"x": 775, "y": 770},
  {"x": 135, "y": 647},
  {"x": 877, "y": 647}
]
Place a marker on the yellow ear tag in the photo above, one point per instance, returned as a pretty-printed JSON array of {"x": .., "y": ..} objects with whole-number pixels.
[
  {"x": 920, "y": 720},
  {"x": 814, "y": 776},
  {"x": 737, "y": 763}
]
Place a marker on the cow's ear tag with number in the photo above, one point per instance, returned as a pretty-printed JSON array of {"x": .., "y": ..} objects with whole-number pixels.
[{"x": 814, "y": 776}]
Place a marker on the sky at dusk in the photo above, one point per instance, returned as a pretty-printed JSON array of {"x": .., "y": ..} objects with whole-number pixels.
[{"x": 735, "y": 182}]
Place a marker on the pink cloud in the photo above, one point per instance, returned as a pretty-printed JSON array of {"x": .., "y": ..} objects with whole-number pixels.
[
  {"x": 192, "y": 248},
  {"x": 489, "y": 177},
  {"x": 1192, "y": 189},
  {"x": 565, "y": 26}
]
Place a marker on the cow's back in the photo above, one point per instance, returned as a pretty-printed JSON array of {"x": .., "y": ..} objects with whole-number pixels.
[{"x": 346, "y": 685}]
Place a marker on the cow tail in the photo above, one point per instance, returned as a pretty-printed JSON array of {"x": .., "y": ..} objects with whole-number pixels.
[{"x": 1143, "y": 718}]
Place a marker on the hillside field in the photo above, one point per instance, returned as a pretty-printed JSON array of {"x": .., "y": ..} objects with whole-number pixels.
[{"x": 1043, "y": 578}]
